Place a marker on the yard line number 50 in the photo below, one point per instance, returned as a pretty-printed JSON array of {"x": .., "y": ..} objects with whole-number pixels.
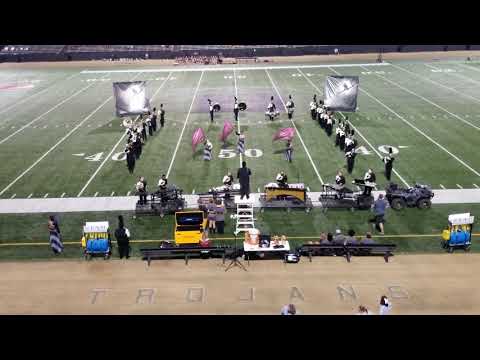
[{"x": 229, "y": 153}]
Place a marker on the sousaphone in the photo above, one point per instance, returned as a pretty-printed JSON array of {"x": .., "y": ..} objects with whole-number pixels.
[
  {"x": 216, "y": 107},
  {"x": 242, "y": 106}
]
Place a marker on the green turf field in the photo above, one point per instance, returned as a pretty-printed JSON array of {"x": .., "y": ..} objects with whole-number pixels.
[{"x": 59, "y": 134}]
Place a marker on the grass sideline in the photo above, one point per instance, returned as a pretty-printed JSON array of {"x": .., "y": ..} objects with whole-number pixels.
[{"x": 301, "y": 227}]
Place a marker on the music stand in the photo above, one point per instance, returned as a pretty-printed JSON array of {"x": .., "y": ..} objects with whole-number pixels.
[{"x": 235, "y": 261}]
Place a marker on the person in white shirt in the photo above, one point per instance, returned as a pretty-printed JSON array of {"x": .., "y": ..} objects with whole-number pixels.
[
  {"x": 385, "y": 306},
  {"x": 289, "y": 310}
]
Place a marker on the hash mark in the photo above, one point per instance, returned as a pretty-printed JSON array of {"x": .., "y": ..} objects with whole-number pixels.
[
  {"x": 128, "y": 193},
  {"x": 13, "y": 196},
  {"x": 476, "y": 185},
  {"x": 62, "y": 195},
  {"x": 95, "y": 194},
  {"x": 113, "y": 192},
  {"x": 443, "y": 187},
  {"x": 29, "y": 196},
  {"x": 193, "y": 192},
  {"x": 459, "y": 186},
  {"x": 45, "y": 195}
]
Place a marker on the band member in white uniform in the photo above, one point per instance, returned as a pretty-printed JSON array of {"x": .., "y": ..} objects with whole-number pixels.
[
  {"x": 339, "y": 182},
  {"x": 271, "y": 109},
  {"x": 388, "y": 160},
  {"x": 313, "y": 107},
  {"x": 228, "y": 180},
  {"x": 369, "y": 177},
  {"x": 240, "y": 143},
  {"x": 282, "y": 179},
  {"x": 207, "y": 151},
  {"x": 350, "y": 155},
  {"x": 210, "y": 109},
  {"x": 329, "y": 125},
  {"x": 290, "y": 106}
]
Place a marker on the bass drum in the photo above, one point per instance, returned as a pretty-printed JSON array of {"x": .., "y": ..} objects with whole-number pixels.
[
  {"x": 242, "y": 106},
  {"x": 216, "y": 107}
]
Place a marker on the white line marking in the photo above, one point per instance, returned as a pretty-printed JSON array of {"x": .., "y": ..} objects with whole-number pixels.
[
  {"x": 45, "y": 113},
  {"x": 421, "y": 132},
  {"x": 436, "y": 83},
  {"x": 128, "y": 193},
  {"x": 308, "y": 189},
  {"x": 238, "y": 122},
  {"x": 45, "y": 196},
  {"x": 356, "y": 130},
  {"x": 63, "y": 194},
  {"x": 230, "y": 68},
  {"x": 33, "y": 95},
  {"x": 258, "y": 189},
  {"x": 459, "y": 186},
  {"x": 55, "y": 146},
  {"x": 193, "y": 192},
  {"x": 13, "y": 196},
  {"x": 457, "y": 75},
  {"x": 443, "y": 187},
  {"x": 111, "y": 152},
  {"x": 29, "y": 196},
  {"x": 298, "y": 133},
  {"x": 430, "y": 102},
  {"x": 95, "y": 194},
  {"x": 113, "y": 193},
  {"x": 476, "y": 186},
  {"x": 184, "y": 126}
]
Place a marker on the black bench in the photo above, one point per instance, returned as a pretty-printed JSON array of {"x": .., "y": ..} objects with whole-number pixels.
[
  {"x": 184, "y": 251},
  {"x": 386, "y": 250}
]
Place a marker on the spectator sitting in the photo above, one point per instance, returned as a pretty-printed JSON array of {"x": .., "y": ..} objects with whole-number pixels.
[
  {"x": 339, "y": 238},
  {"x": 324, "y": 239},
  {"x": 350, "y": 239},
  {"x": 367, "y": 240}
]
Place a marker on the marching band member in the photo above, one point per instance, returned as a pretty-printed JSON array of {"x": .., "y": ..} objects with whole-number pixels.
[
  {"x": 228, "y": 180},
  {"x": 235, "y": 108},
  {"x": 271, "y": 108},
  {"x": 329, "y": 126},
  {"x": 313, "y": 107},
  {"x": 144, "y": 129},
  {"x": 137, "y": 143},
  {"x": 289, "y": 151},
  {"x": 350, "y": 160},
  {"x": 371, "y": 178},
  {"x": 349, "y": 144},
  {"x": 290, "y": 106},
  {"x": 207, "y": 151},
  {"x": 130, "y": 157},
  {"x": 337, "y": 133},
  {"x": 388, "y": 160},
  {"x": 339, "y": 181},
  {"x": 282, "y": 179},
  {"x": 141, "y": 187},
  {"x": 347, "y": 125},
  {"x": 162, "y": 183},
  {"x": 162, "y": 116},
  {"x": 154, "y": 119},
  {"x": 148, "y": 122},
  {"x": 210, "y": 109},
  {"x": 342, "y": 138},
  {"x": 240, "y": 143}
]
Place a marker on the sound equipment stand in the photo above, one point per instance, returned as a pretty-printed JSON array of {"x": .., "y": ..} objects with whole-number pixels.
[{"x": 235, "y": 261}]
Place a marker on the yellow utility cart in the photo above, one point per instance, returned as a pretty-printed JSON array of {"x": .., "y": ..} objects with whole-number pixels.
[{"x": 189, "y": 227}]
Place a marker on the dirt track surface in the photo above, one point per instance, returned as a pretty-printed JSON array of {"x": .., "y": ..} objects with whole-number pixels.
[
  {"x": 415, "y": 284},
  {"x": 370, "y": 57}
]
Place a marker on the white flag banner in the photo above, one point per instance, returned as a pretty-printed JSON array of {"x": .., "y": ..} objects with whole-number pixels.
[
  {"x": 130, "y": 98},
  {"x": 341, "y": 93}
]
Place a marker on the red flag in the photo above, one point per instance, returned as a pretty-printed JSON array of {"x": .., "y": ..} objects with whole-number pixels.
[
  {"x": 197, "y": 138},
  {"x": 227, "y": 130},
  {"x": 284, "y": 134}
]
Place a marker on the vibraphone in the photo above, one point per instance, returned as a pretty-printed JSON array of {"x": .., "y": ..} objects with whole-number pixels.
[{"x": 290, "y": 196}]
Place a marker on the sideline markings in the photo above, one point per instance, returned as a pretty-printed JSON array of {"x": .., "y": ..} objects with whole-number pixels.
[
  {"x": 128, "y": 193},
  {"x": 420, "y": 132},
  {"x": 459, "y": 186},
  {"x": 13, "y": 196},
  {"x": 45, "y": 196},
  {"x": 356, "y": 130},
  {"x": 184, "y": 126},
  {"x": 427, "y": 100},
  {"x": 295, "y": 126},
  {"x": 457, "y": 74},
  {"x": 33, "y": 95},
  {"x": 62, "y": 195},
  {"x": 29, "y": 196},
  {"x": 443, "y": 187},
  {"x": 95, "y": 194},
  {"x": 54, "y": 146},
  {"x": 113, "y": 193},
  {"x": 476, "y": 186},
  {"x": 232, "y": 68}
]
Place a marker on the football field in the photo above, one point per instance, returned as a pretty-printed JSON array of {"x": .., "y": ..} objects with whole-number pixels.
[{"x": 59, "y": 136}]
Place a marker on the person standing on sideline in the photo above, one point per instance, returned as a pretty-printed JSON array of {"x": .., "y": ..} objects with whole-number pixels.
[
  {"x": 243, "y": 175},
  {"x": 289, "y": 310},
  {"x": 162, "y": 116},
  {"x": 289, "y": 151},
  {"x": 220, "y": 217},
  {"x": 385, "y": 306},
  {"x": 55, "y": 236},
  {"x": 388, "y": 160},
  {"x": 379, "y": 208},
  {"x": 123, "y": 239},
  {"x": 154, "y": 119},
  {"x": 142, "y": 190}
]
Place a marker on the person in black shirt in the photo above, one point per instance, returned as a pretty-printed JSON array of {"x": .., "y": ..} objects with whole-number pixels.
[
  {"x": 162, "y": 116},
  {"x": 243, "y": 175},
  {"x": 388, "y": 160},
  {"x": 210, "y": 109},
  {"x": 130, "y": 157},
  {"x": 154, "y": 119},
  {"x": 235, "y": 109},
  {"x": 371, "y": 178},
  {"x": 123, "y": 239},
  {"x": 350, "y": 160}
]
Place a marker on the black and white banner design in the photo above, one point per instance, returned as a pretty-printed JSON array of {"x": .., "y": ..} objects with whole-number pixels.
[
  {"x": 130, "y": 98},
  {"x": 341, "y": 93}
]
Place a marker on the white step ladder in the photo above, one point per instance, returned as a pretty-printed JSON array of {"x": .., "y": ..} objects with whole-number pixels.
[{"x": 245, "y": 220}]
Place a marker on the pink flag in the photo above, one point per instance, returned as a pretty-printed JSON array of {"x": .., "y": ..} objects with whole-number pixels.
[
  {"x": 197, "y": 138},
  {"x": 227, "y": 130},
  {"x": 284, "y": 134}
]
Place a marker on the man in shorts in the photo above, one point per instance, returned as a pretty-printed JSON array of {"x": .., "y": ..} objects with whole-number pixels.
[{"x": 379, "y": 208}]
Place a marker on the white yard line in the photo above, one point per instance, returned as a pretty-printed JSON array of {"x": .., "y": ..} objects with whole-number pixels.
[
  {"x": 356, "y": 130},
  {"x": 184, "y": 126},
  {"x": 114, "y": 147},
  {"x": 459, "y": 186},
  {"x": 33, "y": 95},
  {"x": 476, "y": 186},
  {"x": 443, "y": 187},
  {"x": 113, "y": 193},
  {"x": 427, "y": 100},
  {"x": 128, "y": 193},
  {"x": 29, "y": 196},
  {"x": 54, "y": 146},
  {"x": 193, "y": 192},
  {"x": 62, "y": 195},
  {"x": 238, "y": 122},
  {"x": 436, "y": 83},
  {"x": 456, "y": 75},
  {"x": 467, "y": 67},
  {"x": 45, "y": 196},
  {"x": 96, "y": 194},
  {"x": 420, "y": 132},
  {"x": 13, "y": 196},
  {"x": 298, "y": 133},
  {"x": 221, "y": 68},
  {"x": 45, "y": 113}
]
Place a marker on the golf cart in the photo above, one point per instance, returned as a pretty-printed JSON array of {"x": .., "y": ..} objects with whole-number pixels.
[{"x": 418, "y": 195}]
